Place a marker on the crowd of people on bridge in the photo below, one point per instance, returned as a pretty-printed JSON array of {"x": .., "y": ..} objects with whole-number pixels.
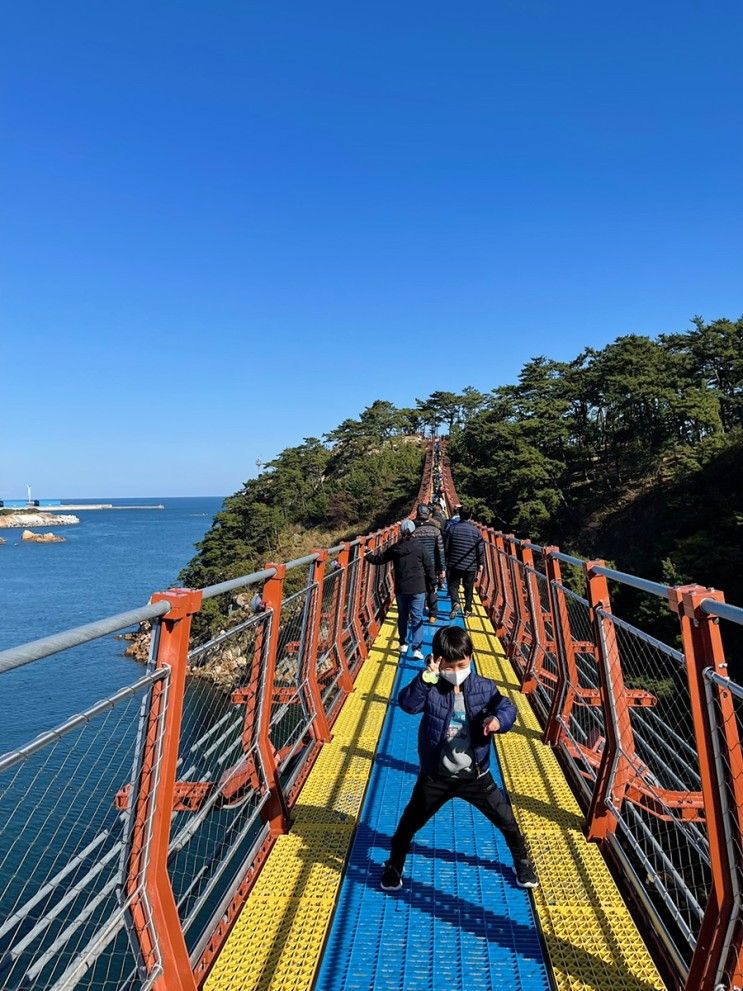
[
  {"x": 432, "y": 549},
  {"x": 460, "y": 709}
]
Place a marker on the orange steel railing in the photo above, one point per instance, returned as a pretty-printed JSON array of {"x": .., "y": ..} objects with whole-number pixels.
[
  {"x": 182, "y": 801},
  {"x": 649, "y": 735}
]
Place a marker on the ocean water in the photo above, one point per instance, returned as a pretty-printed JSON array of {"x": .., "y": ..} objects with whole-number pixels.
[
  {"x": 110, "y": 562},
  {"x": 57, "y": 812}
]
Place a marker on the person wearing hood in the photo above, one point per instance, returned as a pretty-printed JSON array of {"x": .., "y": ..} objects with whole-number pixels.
[{"x": 413, "y": 572}]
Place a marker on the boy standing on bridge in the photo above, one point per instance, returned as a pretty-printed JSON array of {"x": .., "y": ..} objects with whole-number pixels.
[{"x": 461, "y": 710}]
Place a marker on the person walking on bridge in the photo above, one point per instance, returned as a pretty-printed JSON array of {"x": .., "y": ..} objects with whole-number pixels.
[
  {"x": 465, "y": 551},
  {"x": 460, "y": 712},
  {"x": 413, "y": 571},
  {"x": 429, "y": 535},
  {"x": 438, "y": 517}
]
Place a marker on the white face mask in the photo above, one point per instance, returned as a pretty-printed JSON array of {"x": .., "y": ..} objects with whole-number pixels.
[{"x": 456, "y": 677}]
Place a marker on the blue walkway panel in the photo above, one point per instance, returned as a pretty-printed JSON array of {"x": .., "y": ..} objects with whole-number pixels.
[{"x": 459, "y": 921}]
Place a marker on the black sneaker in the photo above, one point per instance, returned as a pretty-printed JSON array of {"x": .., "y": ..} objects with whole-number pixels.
[
  {"x": 391, "y": 879},
  {"x": 467, "y": 613},
  {"x": 453, "y": 613},
  {"x": 525, "y": 874}
]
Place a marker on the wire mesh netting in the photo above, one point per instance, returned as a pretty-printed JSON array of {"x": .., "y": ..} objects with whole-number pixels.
[
  {"x": 583, "y": 722},
  {"x": 328, "y": 657},
  {"x": 724, "y": 700},
  {"x": 364, "y": 576},
  {"x": 350, "y": 640},
  {"x": 377, "y": 588},
  {"x": 72, "y": 891},
  {"x": 522, "y": 636},
  {"x": 491, "y": 577},
  {"x": 508, "y": 612},
  {"x": 382, "y": 587},
  {"x": 660, "y": 823},
  {"x": 545, "y": 658},
  {"x": 291, "y": 714},
  {"x": 221, "y": 786}
]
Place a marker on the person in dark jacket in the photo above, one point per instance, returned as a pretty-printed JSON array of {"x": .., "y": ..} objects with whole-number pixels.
[
  {"x": 461, "y": 711},
  {"x": 454, "y": 518},
  {"x": 465, "y": 554},
  {"x": 430, "y": 536},
  {"x": 412, "y": 571},
  {"x": 437, "y": 516}
]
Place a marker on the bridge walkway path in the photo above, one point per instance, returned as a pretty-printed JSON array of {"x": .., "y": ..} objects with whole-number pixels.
[{"x": 317, "y": 918}]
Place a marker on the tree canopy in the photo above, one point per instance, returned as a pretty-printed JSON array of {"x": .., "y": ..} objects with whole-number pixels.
[{"x": 632, "y": 452}]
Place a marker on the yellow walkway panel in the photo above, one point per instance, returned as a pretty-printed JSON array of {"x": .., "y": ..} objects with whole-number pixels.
[
  {"x": 591, "y": 938},
  {"x": 277, "y": 941}
]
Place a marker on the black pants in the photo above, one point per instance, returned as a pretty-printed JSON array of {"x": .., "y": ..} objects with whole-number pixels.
[
  {"x": 467, "y": 578},
  {"x": 432, "y": 599},
  {"x": 430, "y": 794}
]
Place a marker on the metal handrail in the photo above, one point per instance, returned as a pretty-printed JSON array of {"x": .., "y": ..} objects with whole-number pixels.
[
  {"x": 723, "y": 610},
  {"x": 643, "y": 584},
  {"x": 233, "y": 583},
  {"x": 34, "y": 650},
  {"x": 577, "y": 562}
]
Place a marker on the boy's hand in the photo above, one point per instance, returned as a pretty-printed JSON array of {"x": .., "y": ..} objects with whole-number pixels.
[
  {"x": 491, "y": 725},
  {"x": 432, "y": 665}
]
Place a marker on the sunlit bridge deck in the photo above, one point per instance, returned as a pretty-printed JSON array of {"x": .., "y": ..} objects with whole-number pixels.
[{"x": 228, "y": 833}]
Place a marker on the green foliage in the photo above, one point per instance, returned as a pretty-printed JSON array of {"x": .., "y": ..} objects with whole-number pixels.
[
  {"x": 633, "y": 452},
  {"x": 364, "y": 475}
]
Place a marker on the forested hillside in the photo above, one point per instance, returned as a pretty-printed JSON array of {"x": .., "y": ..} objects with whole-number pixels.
[
  {"x": 364, "y": 475},
  {"x": 633, "y": 452}
]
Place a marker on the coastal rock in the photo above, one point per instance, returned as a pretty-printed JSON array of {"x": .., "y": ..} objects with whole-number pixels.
[
  {"x": 139, "y": 643},
  {"x": 42, "y": 538},
  {"x": 21, "y": 519},
  {"x": 224, "y": 664}
]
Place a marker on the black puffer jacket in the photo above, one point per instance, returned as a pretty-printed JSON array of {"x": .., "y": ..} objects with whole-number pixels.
[
  {"x": 410, "y": 564},
  {"x": 464, "y": 546},
  {"x": 430, "y": 536}
]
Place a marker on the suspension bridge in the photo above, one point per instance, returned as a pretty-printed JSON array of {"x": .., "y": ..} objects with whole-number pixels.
[{"x": 177, "y": 836}]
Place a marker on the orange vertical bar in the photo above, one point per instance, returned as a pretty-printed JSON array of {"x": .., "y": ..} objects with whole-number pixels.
[
  {"x": 250, "y": 717},
  {"x": 154, "y": 802},
  {"x": 702, "y": 643},
  {"x": 361, "y": 569},
  {"x": 519, "y": 630},
  {"x": 485, "y": 588},
  {"x": 503, "y": 621},
  {"x": 390, "y": 534},
  {"x": 370, "y": 612},
  {"x": 539, "y": 638},
  {"x": 567, "y": 671},
  {"x": 319, "y": 730},
  {"x": 498, "y": 601},
  {"x": 346, "y": 681},
  {"x": 615, "y": 769},
  {"x": 276, "y": 812}
]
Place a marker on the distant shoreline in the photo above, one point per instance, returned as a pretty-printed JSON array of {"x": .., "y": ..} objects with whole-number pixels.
[
  {"x": 55, "y": 515},
  {"x": 101, "y": 505},
  {"x": 10, "y": 521}
]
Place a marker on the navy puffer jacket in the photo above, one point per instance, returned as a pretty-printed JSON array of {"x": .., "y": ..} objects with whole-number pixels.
[{"x": 481, "y": 700}]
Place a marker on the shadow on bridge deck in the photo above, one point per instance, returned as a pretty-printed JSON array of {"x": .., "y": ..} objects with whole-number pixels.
[{"x": 317, "y": 917}]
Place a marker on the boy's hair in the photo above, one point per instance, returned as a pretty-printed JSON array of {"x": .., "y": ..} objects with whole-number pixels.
[
  {"x": 452, "y": 643},
  {"x": 465, "y": 512}
]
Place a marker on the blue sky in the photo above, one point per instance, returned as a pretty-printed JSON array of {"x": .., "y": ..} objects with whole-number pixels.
[{"x": 227, "y": 226}]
